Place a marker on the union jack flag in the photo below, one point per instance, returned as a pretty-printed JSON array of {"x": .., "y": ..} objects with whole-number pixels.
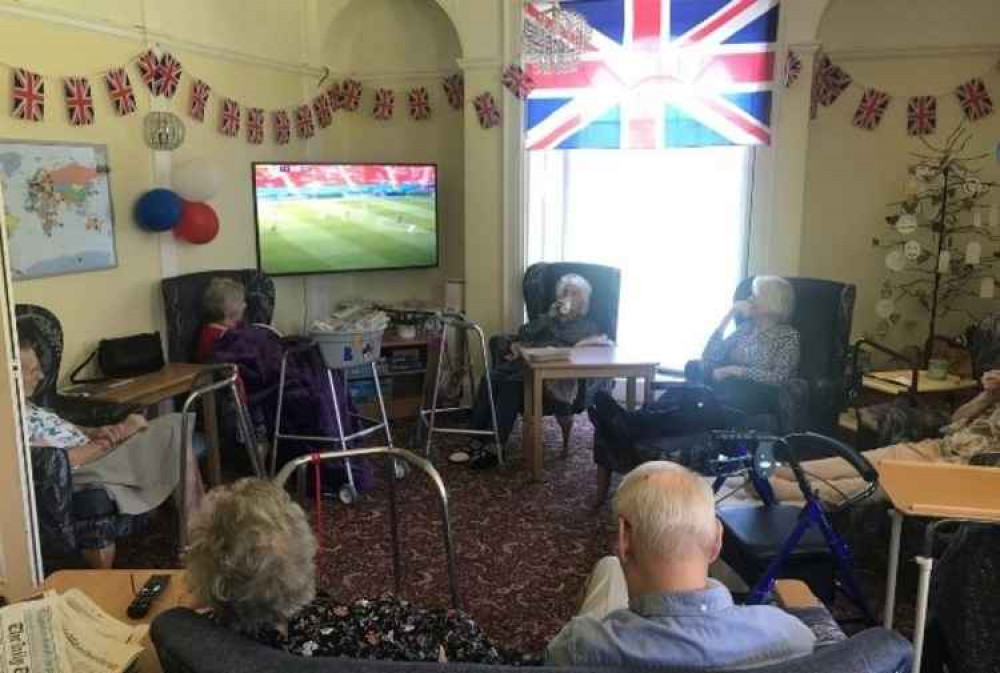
[
  {"x": 921, "y": 116},
  {"x": 335, "y": 96},
  {"x": 199, "y": 99},
  {"x": 324, "y": 113},
  {"x": 661, "y": 73},
  {"x": 517, "y": 81},
  {"x": 486, "y": 110},
  {"x": 28, "y": 95},
  {"x": 793, "y": 69},
  {"x": 829, "y": 82},
  {"x": 871, "y": 109},
  {"x": 229, "y": 122},
  {"x": 120, "y": 91},
  {"x": 304, "y": 122},
  {"x": 282, "y": 127},
  {"x": 168, "y": 76},
  {"x": 420, "y": 103},
  {"x": 148, "y": 64},
  {"x": 79, "y": 101},
  {"x": 454, "y": 89},
  {"x": 385, "y": 102},
  {"x": 255, "y": 125},
  {"x": 351, "y": 93},
  {"x": 975, "y": 99}
]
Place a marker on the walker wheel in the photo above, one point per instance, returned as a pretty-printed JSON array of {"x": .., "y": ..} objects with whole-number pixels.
[
  {"x": 400, "y": 469},
  {"x": 348, "y": 494}
]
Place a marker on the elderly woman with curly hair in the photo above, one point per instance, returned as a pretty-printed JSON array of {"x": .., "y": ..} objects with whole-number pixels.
[{"x": 252, "y": 563}]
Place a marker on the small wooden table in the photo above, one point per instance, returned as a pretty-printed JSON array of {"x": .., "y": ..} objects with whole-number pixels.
[
  {"x": 897, "y": 382},
  {"x": 112, "y": 590},
  {"x": 587, "y": 362},
  {"x": 149, "y": 390},
  {"x": 942, "y": 491}
]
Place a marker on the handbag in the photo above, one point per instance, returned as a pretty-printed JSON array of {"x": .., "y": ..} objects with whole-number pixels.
[{"x": 123, "y": 357}]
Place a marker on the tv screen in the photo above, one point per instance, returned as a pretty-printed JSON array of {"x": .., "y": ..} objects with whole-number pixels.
[{"x": 325, "y": 218}]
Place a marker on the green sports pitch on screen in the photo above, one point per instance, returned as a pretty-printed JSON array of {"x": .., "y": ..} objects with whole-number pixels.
[{"x": 325, "y": 217}]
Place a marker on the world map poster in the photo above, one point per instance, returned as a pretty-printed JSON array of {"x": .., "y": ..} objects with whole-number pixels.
[{"x": 57, "y": 207}]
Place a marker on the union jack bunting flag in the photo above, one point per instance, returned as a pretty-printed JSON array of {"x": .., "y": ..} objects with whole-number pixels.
[
  {"x": 324, "y": 113},
  {"x": 921, "y": 116},
  {"x": 419, "y": 103},
  {"x": 829, "y": 83},
  {"x": 79, "y": 101},
  {"x": 871, "y": 109},
  {"x": 661, "y": 73},
  {"x": 168, "y": 76},
  {"x": 199, "y": 100},
  {"x": 454, "y": 90},
  {"x": 351, "y": 95},
  {"x": 120, "y": 91},
  {"x": 975, "y": 99},
  {"x": 229, "y": 121},
  {"x": 385, "y": 103},
  {"x": 335, "y": 96},
  {"x": 793, "y": 68},
  {"x": 148, "y": 64},
  {"x": 304, "y": 122},
  {"x": 517, "y": 81},
  {"x": 486, "y": 110},
  {"x": 255, "y": 125},
  {"x": 28, "y": 95},
  {"x": 282, "y": 127}
]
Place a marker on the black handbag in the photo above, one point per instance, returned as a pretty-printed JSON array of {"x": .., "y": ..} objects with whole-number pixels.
[{"x": 124, "y": 357}]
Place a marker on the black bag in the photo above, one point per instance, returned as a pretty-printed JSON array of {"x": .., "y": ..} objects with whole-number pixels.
[{"x": 124, "y": 357}]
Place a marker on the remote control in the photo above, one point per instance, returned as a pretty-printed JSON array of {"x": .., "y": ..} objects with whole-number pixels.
[{"x": 154, "y": 586}]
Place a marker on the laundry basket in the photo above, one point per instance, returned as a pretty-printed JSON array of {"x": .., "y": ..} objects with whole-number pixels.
[{"x": 343, "y": 350}]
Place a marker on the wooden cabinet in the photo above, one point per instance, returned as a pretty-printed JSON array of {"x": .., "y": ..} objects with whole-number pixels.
[{"x": 403, "y": 369}]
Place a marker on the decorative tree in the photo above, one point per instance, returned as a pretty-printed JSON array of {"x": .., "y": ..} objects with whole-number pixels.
[{"x": 936, "y": 253}]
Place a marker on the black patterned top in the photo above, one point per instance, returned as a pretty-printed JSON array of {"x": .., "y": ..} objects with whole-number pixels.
[{"x": 769, "y": 355}]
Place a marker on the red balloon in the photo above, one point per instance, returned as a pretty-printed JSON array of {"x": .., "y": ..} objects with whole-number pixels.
[{"x": 198, "y": 224}]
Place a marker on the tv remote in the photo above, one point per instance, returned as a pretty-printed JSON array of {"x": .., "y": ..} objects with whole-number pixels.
[{"x": 154, "y": 586}]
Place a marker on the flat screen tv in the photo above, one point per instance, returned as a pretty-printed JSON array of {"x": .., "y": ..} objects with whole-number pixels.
[{"x": 328, "y": 218}]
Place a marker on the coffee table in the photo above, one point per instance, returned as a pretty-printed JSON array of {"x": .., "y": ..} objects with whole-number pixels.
[{"x": 585, "y": 362}]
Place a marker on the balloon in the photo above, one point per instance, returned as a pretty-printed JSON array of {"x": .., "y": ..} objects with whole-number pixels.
[
  {"x": 199, "y": 224},
  {"x": 197, "y": 179},
  {"x": 158, "y": 210}
]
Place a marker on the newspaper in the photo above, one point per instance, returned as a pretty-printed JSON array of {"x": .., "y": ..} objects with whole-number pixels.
[{"x": 65, "y": 633}]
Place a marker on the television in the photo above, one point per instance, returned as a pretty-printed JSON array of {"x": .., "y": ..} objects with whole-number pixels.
[{"x": 334, "y": 217}]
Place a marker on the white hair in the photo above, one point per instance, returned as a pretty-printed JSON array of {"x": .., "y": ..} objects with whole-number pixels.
[
  {"x": 670, "y": 509},
  {"x": 775, "y": 296},
  {"x": 224, "y": 299},
  {"x": 581, "y": 283}
]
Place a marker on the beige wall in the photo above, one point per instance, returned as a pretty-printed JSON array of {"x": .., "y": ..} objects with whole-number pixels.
[{"x": 852, "y": 174}]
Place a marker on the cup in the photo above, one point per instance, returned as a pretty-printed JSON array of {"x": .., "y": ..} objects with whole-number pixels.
[{"x": 937, "y": 369}]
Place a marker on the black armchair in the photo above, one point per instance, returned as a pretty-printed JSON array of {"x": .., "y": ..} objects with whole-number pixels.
[
  {"x": 182, "y": 302},
  {"x": 539, "y": 289}
]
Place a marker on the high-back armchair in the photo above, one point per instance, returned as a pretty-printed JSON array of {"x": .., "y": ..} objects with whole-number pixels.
[{"x": 182, "y": 302}]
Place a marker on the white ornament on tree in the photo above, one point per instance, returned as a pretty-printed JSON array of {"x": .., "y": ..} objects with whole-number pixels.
[
  {"x": 895, "y": 261},
  {"x": 987, "y": 288},
  {"x": 977, "y": 219},
  {"x": 912, "y": 250},
  {"x": 884, "y": 308},
  {"x": 944, "y": 262},
  {"x": 973, "y": 253},
  {"x": 906, "y": 225}
]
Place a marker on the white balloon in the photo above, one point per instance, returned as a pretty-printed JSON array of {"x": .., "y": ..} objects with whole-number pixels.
[{"x": 196, "y": 179}]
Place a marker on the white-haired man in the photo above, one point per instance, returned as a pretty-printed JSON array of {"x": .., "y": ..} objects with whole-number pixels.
[{"x": 654, "y": 605}]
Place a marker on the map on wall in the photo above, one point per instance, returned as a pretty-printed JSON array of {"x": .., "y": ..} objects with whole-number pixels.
[{"x": 57, "y": 203}]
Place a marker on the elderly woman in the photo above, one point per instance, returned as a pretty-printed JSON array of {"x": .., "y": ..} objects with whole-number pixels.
[
  {"x": 137, "y": 462},
  {"x": 565, "y": 324},
  {"x": 224, "y": 304},
  {"x": 252, "y": 563}
]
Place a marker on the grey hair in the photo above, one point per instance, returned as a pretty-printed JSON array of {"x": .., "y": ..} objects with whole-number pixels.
[
  {"x": 775, "y": 295},
  {"x": 670, "y": 509},
  {"x": 252, "y": 555},
  {"x": 223, "y": 298},
  {"x": 580, "y": 282}
]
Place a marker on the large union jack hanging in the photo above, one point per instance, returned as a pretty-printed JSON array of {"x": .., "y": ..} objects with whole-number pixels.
[
  {"x": 28, "y": 95},
  {"x": 661, "y": 73},
  {"x": 79, "y": 101},
  {"x": 975, "y": 99},
  {"x": 921, "y": 116},
  {"x": 229, "y": 120}
]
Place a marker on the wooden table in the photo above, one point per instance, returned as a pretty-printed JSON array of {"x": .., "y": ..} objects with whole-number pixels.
[
  {"x": 897, "y": 382},
  {"x": 112, "y": 590},
  {"x": 942, "y": 491},
  {"x": 149, "y": 390},
  {"x": 587, "y": 362}
]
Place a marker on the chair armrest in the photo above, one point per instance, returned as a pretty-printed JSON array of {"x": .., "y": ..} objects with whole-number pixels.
[
  {"x": 53, "y": 481},
  {"x": 91, "y": 413},
  {"x": 792, "y": 594}
]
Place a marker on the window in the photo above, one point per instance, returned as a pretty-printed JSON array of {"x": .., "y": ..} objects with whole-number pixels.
[{"x": 674, "y": 221}]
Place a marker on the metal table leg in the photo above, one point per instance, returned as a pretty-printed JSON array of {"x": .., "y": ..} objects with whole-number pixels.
[
  {"x": 920, "y": 624},
  {"x": 890, "y": 583}
]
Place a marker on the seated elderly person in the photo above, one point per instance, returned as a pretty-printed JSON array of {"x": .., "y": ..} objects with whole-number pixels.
[
  {"x": 252, "y": 563},
  {"x": 974, "y": 429},
  {"x": 655, "y": 606},
  {"x": 223, "y": 305},
  {"x": 137, "y": 462},
  {"x": 565, "y": 324}
]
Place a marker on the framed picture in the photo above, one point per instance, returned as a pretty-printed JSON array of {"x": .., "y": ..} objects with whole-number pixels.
[{"x": 58, "y": 211}]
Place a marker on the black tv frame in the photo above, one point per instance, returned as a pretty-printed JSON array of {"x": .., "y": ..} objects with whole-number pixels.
[{"x": 437, "y": 219}]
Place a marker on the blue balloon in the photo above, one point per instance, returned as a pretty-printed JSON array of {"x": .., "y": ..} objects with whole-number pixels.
[{"x": 158, "y": 210}]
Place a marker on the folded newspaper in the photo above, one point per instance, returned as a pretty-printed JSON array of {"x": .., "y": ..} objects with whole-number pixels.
[
  {"x": 66, "y": 633},
  {"x": 353, "y": 319}
]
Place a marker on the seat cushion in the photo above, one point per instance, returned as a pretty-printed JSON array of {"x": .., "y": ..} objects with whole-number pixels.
[{"x": 761, "y": 531}]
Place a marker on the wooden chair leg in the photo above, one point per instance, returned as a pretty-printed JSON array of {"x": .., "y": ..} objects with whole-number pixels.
[{"x": 566, "y": 423}]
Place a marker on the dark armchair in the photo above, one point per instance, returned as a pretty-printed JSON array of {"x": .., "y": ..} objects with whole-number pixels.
[{"x": 539, "y": 289}]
